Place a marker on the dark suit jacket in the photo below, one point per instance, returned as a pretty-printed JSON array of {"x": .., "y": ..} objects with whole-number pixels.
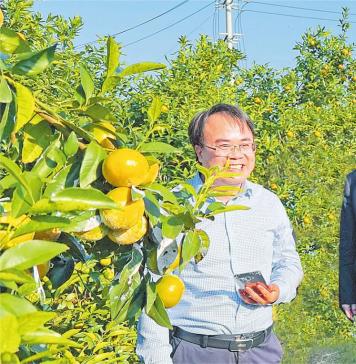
[{"x": 347, "y": 261}]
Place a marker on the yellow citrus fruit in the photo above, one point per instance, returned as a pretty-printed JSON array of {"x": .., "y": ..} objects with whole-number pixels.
[
  {"x": 43, "y": 269},
  {"x": 94, "y": 234},
  {"x": 307, "y": 220},
  {"x": 125, "y": 168},
  {"x": 290, "y": 134},
  {"x": 152, "y": 174},
  {"x": 1, "y": 18},
  {"x": 317, "y": 133},
  {"x": 257, "y": 100},
  {"x": 109, "y": 274},
  {"x": 274, "y": 186},
  {"x": 131, "y": 235},
  {"x": 129, "y": 215},
  {"x": 170, "y": 289},
  {"x": 50, "y": 235},
  {"x": 164, "y": 108},
  {"x": 105, "y": 261}
]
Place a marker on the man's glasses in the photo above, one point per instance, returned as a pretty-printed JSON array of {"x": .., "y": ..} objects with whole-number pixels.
[{"x": 226, "y": 149}]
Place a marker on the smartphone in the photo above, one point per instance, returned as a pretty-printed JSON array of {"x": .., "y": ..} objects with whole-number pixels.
[{"x": 249, "y": 279}]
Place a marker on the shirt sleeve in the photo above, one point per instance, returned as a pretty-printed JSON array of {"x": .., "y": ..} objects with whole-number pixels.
[
  {"x": 153, "y": 345},
  {"x": 287, "y": 271}
]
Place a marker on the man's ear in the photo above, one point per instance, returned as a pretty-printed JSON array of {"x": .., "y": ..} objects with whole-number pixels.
[{"x": 198, "y": 151}]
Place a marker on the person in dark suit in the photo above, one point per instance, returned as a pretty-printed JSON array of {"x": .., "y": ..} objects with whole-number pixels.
[{"x": 347, "y": 249}]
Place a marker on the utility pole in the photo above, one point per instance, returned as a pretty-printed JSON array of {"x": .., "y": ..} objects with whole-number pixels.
[
  {"x": 229, "y": 31},
  {"x": 229, "y": 36}
]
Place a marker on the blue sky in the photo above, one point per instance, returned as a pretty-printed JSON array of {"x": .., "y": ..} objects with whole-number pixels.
[{"x": 266, "y": 38}]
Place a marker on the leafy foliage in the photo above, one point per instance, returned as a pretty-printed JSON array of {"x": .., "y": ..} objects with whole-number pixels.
[{"x": 51, "y": 100}]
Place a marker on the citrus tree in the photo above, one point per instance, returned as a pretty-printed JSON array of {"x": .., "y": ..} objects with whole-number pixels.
[{"x": 70, "y": 174}]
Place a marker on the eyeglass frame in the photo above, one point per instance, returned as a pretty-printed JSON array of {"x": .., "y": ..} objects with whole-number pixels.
[{"x": 232, "y": 149}]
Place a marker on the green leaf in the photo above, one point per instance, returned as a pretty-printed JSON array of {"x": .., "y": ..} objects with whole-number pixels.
[
  {"x": 99, "y": 112},
  {"x": 66, "y": 177},
  {"x": 21, "y": 200},
  {"x": 35, "y": 139},
  {"x": 9, "y": 284},
  {"x": 84, "y": 198},
  {"x": 14, "y": 170},
  {"x": 151, "y": 295},
  {"x": 15, "y": 275},
  {"x": 31, "y": 322},
  {"x": 154, "y": 110},
  {"x": 158, "y": 314},
  {"x": 152, "y": 207},
  {"x": 42, "y": 223},
  {"x": 25, "y": 105},
  {"x": 112, "y": 56},
  {"x": 190, "y": 247},
  {"x": 204, "y": 245},
  {"x": 5, "y": 91},
  {"x": 36, "y": 63},
  {"x": 131, "y": 301},
  {"x": 163, "y": 191},
  {"x": 189, "y": 188},
  {"x": 203, "y": 170},
  {"x": 128, "y": 282},
  {"x": 30, "y": 253},
  {"x": 9, "y": 334},
  {"x": 8, "y": 120},
  {"x": 141, "y": 67},
  {"x": 71, "y": 145},
  {"x": 86, "y": 82},
  {"x": 10, "y": 42},
  {"x": 46, "y": 336},
  {"x": 227, "y": 209},
  {"x": 158, "y": 147},
  {"x": 90, "y": 169},
  {"x": 172, "y": 226},
  {"x": 14, "y": 305},
  {"x": 51, "y": 159}
]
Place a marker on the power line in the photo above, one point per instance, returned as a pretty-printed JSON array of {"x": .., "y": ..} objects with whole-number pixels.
[
  {"x": 138, "y": 25},
  {"x": 167, "y": 27},
  {"x": 294, "y": 16},
  {"x": 296, "y": 7}
]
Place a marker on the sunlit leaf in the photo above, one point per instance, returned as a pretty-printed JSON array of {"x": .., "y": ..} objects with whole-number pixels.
[
  {"x": 90, "y": 170},
  {"x": 91, "y": 198},
  {"x": 112, "y": 57},
  {"x": 71, "y": 145},
  {"x": 86, "y": 82},
  {"x": 141, "y": 67},
  {"x": 25, "y": 105},
  {"x": 36, "y": 63},
  {"x": 9, "y": 335},
  {"x": 30, "y": 253},
  {"x": 36, "y": 138},
  {"x": 14, "y": 170},
  {"x": 41, "y": 223},
  {"x": 154, "y": 111},
  {"x": 5, "y": 91},
  {"x": 10, "y": 42}
]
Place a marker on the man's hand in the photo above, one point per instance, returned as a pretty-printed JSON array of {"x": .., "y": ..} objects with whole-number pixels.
[
  {"x": 259, "y": 293},
  {"x": 350, "y": 311}
]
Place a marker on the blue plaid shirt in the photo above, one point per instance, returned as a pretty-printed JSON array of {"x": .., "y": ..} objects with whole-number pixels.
[{"x": 241, "y": 241}]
